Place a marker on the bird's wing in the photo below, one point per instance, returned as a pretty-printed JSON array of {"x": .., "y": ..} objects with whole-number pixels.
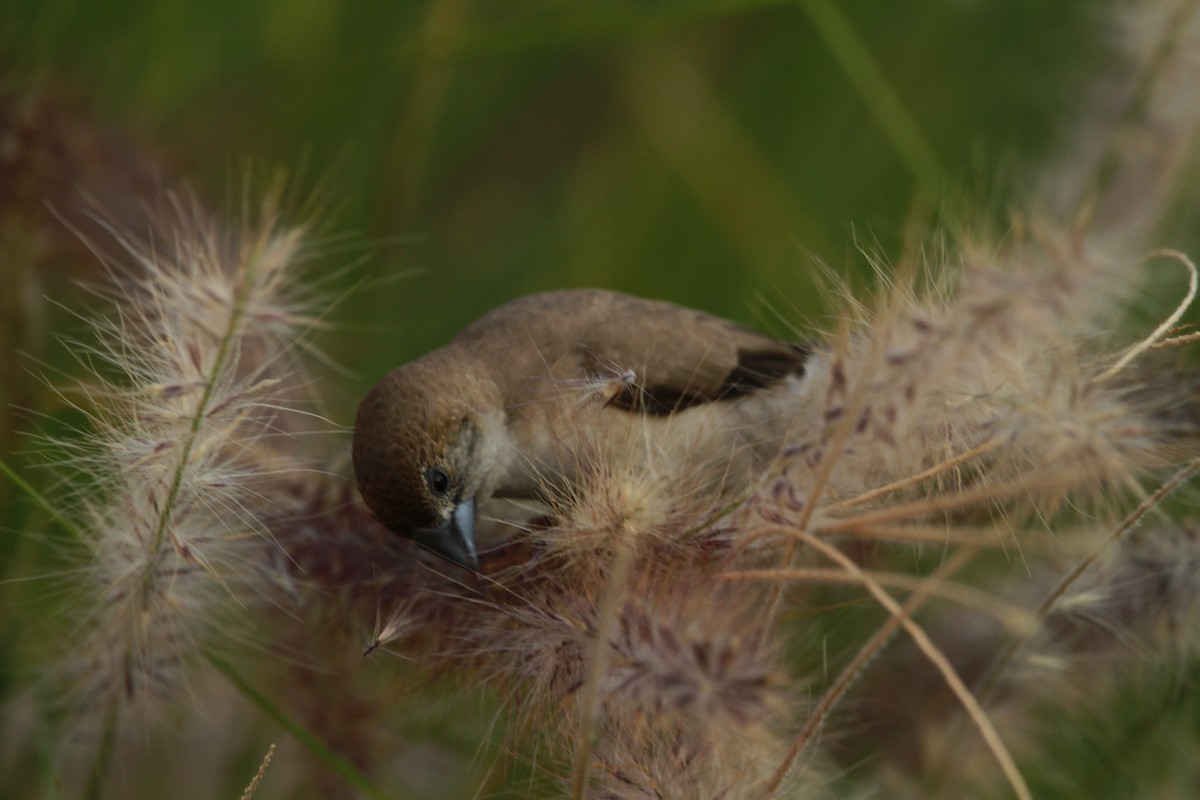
[
  {"x": 658, "y": 356},
  {"x": 677, "y": 358}
]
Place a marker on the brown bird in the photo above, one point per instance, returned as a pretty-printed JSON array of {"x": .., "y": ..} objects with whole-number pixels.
[{"x": 518, "y": 401}]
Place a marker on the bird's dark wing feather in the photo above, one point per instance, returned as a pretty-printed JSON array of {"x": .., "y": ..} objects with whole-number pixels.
[{"x": 753, "y": 370}]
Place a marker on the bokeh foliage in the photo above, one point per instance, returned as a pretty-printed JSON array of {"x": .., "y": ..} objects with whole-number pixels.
[{"x": 705, "y": 152}]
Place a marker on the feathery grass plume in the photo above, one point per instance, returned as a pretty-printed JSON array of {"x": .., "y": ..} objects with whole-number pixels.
[
  {"x": 679, "y": 668},
  {"x": 1143, "y": 594},
  {"x": 642, "y": 765},
  {"x": 1094, "y": 423},
  {"x": 1126, "y": 627},
  {"x": 172, "y": 475},
  {"x": 657, "y": 494},
  {"x": 660, "y": 650},
  {"x": 1004, "y": 389},
  {"x": 962, "y": 416},
  {"x": 1126, "y": 158},
  {"x": 686, "y": 658},
  {"x": 1120, "y": 170},
  {"x": 692, "y": 702}
]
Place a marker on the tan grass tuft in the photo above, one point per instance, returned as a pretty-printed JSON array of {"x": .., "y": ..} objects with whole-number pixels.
[{"x": 190, "y": 369}]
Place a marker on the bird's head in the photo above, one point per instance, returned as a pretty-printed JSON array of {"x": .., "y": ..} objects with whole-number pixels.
[{"x": 417, "y": 443}]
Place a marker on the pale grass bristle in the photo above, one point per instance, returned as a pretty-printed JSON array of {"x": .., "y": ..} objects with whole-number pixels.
[
  {"x": 1013, "y": 375},
  {"x": 189, "y": 368},
  {"x": 646, "y": 765},
  {"x": 651, "y": 495},
  {"x": 687, "y": 657},
  {"x": 615, "y": 500},
  {"x": 1144, "y": 594},
  {"x": 1117, "y": 171},
  {"x": 1132, "y": 616},
  {"x": 248, "y": 794}
]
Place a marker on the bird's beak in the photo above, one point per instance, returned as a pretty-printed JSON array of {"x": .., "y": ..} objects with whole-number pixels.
[{"x": 454, "y": 539}]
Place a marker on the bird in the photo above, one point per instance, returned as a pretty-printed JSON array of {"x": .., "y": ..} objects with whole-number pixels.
[{"x": 516, "y": 403}]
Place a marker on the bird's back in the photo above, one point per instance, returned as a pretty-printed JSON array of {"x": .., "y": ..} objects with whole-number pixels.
[
  {"x": 587, "y": 369},
  {"x": 678, "y": 357}
]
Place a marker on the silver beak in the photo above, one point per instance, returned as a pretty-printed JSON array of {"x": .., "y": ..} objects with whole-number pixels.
[{"x": 454, "y": 539}]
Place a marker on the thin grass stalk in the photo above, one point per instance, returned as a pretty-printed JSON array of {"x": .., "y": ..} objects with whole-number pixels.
[
  {"x": 931, "y": 651},
  {"x": 597, "y": 663},
  {"x": 42, "y": 501},
  {"x": 1010, "y": 616},
  {"x": 311, "y": 742},
  {"x": 102, "y": 759},
  {"x": 876, "y": 91},
  {"x": 992, "y": 678},
  {"x": 853, "y": 670},
  {"x": 252, "y": 787},
  {"x": 906, "y": 483},
  {"x": 1167, "y": 325},
  {"x": 232, "y": 330},
  {"x": 1133, "y": 115},
  {"x": 841, "y": 435}
]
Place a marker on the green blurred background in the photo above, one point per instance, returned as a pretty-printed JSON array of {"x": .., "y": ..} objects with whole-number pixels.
[{"x": 708, "y": 152}]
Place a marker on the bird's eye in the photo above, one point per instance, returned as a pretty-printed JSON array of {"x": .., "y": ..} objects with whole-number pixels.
[{"x": 438, "y": 480}]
